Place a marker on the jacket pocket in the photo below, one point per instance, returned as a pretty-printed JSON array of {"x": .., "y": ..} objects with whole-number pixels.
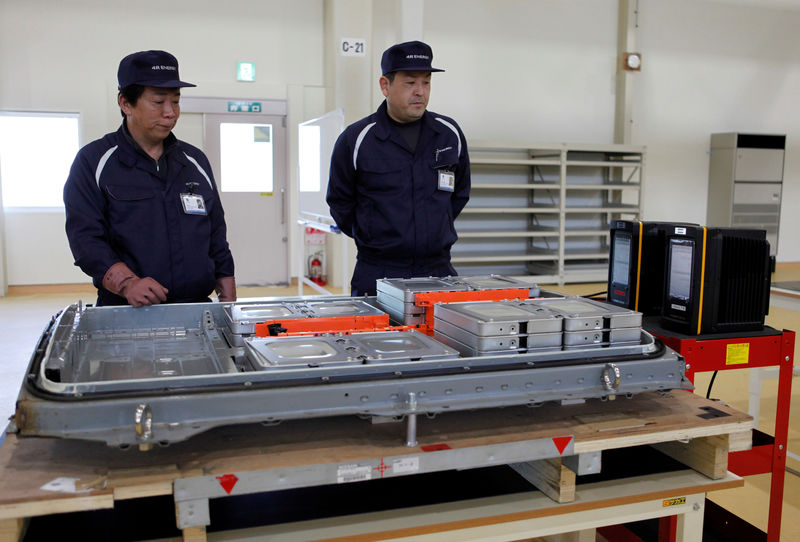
[
  {"x": 129, "y": 193},
  {"x": 382, "y": 175}
]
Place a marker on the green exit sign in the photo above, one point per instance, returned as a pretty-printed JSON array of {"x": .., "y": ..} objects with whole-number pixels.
[
  {"x": 246, "y": 71},
  {"x": 244, "y": 107}
]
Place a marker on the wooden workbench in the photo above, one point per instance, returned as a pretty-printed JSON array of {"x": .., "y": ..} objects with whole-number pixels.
[{"x": 246, "y": 459}]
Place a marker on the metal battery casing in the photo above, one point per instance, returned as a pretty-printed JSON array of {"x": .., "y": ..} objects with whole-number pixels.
[
  {"x": 498, "y": 342},
  {"x": 492, "y": 342},
  {"x": 595, "y": 336},
  {"x": 498, "y": 282},
  {"x": 498, "y": 317},
  {"x": 471, "y": 351},
  {"x": 343, "y": 350},
  {"x": 397, "y": 296},
  {"x": 242, "y": 319},
  {"x": 405, "y": 290},
  {"x": 581, "y": 314},
  {"x": 74, "y": 405}
]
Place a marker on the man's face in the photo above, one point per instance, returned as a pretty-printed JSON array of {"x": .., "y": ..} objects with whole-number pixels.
[
  {"x": 407, "y": 96},
  {"x": 154, "y": 116}
]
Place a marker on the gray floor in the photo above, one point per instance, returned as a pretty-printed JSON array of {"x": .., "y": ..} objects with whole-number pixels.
[{"x": 23, "y": 318}]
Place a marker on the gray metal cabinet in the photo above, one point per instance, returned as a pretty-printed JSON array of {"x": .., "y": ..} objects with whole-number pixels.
[
  {"x": 544, "y": 210},
  {"x": 745, "y": 182}
]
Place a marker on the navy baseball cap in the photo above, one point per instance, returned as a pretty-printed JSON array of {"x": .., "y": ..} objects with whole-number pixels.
[
  {"x": 410, "y": 56},
  {"x": 150, "y": 69}
]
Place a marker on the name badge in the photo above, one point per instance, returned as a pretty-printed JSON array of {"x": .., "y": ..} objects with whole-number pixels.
[
  {"x": 447, "y": 181},
  {"x": 193, "y": 204}
]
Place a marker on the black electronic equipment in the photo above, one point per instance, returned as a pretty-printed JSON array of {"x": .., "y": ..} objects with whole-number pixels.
[
  {"x": 717, "y": 279},
  {"x": 638, "y": 265}
]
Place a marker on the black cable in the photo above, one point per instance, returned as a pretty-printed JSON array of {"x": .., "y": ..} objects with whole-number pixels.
[
  {"x": 708, "y": 393},
  {"x": 596, "y": 294}
]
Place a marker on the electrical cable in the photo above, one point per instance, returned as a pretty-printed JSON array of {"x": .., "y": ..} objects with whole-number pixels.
[
  {"x": 596, "y": 294},
  {"x": 710, "y": 384}
]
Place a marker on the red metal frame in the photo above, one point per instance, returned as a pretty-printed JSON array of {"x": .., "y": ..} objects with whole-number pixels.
[{"x": 708, "y": 354}]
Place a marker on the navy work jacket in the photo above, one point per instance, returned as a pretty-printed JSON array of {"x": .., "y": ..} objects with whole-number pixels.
[
  {"x": 387, "y": 198},
  {"x": 121, "y": 208}
]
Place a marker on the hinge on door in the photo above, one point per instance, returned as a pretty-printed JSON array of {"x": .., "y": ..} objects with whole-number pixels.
[{"x": 283, "y": 122}]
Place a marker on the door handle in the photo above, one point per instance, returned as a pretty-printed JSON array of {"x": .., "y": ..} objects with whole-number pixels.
[{"x": 283, "y": 206}]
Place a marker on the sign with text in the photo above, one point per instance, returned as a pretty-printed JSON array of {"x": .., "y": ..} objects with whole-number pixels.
[
  {"x": 244, "y": 107},
  {"x": 353, "y": 47}
]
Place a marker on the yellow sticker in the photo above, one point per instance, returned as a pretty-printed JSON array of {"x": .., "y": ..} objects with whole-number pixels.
[
  {"x": 737, "y": 354},
  {"x": 673, "y": 502}
]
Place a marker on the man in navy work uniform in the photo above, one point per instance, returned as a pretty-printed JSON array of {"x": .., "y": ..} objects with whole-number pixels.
[
  {"x": 400, "y": 177},
  {"x": 144, "y": 218}
]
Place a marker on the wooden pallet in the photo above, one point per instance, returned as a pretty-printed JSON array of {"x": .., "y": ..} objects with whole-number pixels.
[{"x": 696, "y": 431}]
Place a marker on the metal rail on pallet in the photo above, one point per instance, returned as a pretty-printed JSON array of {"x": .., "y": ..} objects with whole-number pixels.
[{"x": 192, "y": 494}]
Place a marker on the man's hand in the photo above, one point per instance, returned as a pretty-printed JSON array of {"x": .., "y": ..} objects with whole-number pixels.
[
  {"x": 226, "y": 289},
  {"x": 141, "y": 292},
  {"x": 120, "y": 280}
]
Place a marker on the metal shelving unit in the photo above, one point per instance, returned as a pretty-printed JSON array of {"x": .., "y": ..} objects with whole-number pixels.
[{"x": 544, "y": 209}]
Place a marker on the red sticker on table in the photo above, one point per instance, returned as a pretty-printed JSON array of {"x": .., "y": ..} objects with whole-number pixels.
[
  {"x": 227, "y": 481},
  {"x": 435, "y": 447},
  {"x": 561, "y": 443}
]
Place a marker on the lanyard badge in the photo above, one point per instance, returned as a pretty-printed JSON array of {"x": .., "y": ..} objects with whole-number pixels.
[
  {"x": 193, "y": 204},
  {"x": 447, "y": 180}
]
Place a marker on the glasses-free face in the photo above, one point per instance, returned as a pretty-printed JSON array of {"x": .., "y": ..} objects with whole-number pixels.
[{"x": 407, "y": 95}]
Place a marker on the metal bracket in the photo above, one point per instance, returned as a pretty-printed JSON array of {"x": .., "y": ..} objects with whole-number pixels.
[
  {"x": 585, "y": 463},
  {"x": 192, "y": 513}
]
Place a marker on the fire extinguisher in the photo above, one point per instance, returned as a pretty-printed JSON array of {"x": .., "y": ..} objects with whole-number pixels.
[{"x": 315, "y": 269}]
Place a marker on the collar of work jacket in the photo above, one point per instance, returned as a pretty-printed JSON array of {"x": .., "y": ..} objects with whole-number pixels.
[
  {"x": 132, "y": 152},
  {"x": 385, "y": 131}
]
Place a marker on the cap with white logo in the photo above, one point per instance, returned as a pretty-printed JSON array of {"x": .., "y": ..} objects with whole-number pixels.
[
  {"x": 411, "y": 56},
  {"x": 150, "y": 69}
]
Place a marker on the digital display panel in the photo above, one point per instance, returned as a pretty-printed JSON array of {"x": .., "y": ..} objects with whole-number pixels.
[
  {"x": 621, "y": 265},
  {"x": 681, "y": 256}
]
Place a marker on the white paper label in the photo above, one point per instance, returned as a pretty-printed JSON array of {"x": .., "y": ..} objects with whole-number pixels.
[
  {"x": 405, "y": 465},
  {"x": 63, "y": 485},
  {"x": 353, "y": 473}
]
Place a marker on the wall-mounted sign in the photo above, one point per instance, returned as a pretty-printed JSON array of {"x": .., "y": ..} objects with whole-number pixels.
[
  {"x": 244, "y": 107},
  {"x": 246, "y": 71},
  {"x": 353, "y": 47}
]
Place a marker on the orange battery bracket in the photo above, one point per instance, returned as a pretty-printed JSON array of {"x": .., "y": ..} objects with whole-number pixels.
[
  {"x": 331, "y": 324},
  {"x": 429, "y": 299}
]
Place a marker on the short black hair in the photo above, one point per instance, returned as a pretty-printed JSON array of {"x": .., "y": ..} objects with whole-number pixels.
[
  {"x": 390, "y": 76},
  {"x": 131, "y": 93}
]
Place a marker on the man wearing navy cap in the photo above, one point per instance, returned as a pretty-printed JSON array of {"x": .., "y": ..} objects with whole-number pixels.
[
  {"x": 400, "y": 177},
  {"x": 144, "y": 218}
]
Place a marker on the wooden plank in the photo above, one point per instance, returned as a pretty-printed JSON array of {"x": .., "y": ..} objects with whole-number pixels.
[
  {"x": 550, "y": 477},
  {"x": 741, "y": 441},
  {"x": 26, "y": 464},
  {"x": 12, "y": 530},
  {"x": 706, "y": 455},
  {"x": 194, "y": 534}
]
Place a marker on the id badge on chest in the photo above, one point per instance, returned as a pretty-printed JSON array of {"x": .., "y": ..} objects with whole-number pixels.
[
  {"x": 447, "y": 180},
  {"x": 193, "y": 204}
]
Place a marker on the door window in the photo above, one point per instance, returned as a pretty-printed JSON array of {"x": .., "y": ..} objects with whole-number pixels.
[{"x": 245, "y": 157}]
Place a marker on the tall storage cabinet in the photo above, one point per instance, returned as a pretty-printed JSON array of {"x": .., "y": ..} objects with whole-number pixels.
[
  {"x": 544, "y": 210},
  {"x": 745, "y": 182}
]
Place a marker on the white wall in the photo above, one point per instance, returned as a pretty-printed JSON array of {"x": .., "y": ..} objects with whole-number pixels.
[
  {"x": 517, "y": 70},
  {"x": 543, "y": 71},
  {"x": 525, "y": 71},
  {"x": 63, "y": 56},
  {"x": 715, "y": 67}
]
